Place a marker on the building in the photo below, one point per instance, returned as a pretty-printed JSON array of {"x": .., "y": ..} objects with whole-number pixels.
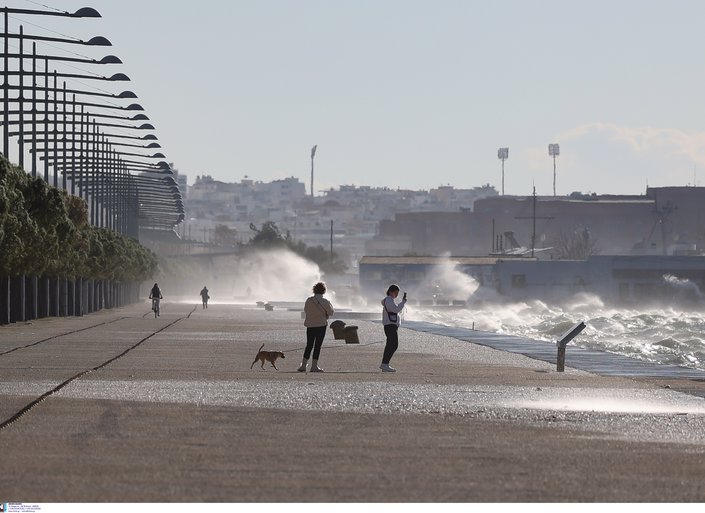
[
  {"x": 664, "y": 221},
  {"x": 615, "y": 279}
]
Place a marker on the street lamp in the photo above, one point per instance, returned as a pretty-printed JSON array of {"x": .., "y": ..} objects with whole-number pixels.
[
  {"x": 553, "y": 151},
  {"x": 62, "y": 162},
  {"x": 95, "y": 41},
  {"x": 109, "y": 59},
  {"x": 115, "y": 192},
  {"x": 85, "y": 12},
  {"x": 503, "y": 154}
]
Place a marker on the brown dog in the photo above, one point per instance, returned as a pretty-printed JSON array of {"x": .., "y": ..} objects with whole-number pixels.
[{"x": 267, "y": 356}]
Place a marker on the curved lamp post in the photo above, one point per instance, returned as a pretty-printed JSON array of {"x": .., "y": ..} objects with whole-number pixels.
[
  {"x": 152, "y": 194},
  {"x": 85, "y": 12},
  {"x": 95, "y": 41}
]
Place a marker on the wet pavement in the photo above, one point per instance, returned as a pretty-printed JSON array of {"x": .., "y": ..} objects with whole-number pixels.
[{"x": 140, "y": 402}]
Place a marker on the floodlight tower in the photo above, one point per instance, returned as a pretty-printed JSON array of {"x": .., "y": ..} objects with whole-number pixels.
[
  {"x": 313, "y": 154},
  {"x": 553, "y": 151},
  {"x": 503, "y": 154}
]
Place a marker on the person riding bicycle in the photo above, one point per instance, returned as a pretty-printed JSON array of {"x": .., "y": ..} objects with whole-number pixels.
[{"x": 155, "y": 295}]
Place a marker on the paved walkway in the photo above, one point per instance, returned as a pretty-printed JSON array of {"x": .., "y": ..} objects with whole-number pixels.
[{"x": 118, "y": 406}]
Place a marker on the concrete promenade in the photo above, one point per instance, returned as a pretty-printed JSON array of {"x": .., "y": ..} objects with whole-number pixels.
[{"x": 168, "y": 410}]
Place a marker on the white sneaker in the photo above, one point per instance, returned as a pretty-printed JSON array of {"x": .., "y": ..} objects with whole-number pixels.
[{"x": 386, "y": 368}]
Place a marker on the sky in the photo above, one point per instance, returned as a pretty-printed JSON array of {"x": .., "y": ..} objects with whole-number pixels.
[{"x": 413, "y": 94}]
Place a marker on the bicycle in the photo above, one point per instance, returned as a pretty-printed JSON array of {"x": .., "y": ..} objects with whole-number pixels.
[{"x": 155, "y": 306}]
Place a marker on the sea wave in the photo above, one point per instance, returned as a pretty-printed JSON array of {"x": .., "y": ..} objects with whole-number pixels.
[{"x": 657, "y": 335}]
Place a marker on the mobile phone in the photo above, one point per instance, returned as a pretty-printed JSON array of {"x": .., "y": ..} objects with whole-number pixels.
[{"x": 404, "y": 295}]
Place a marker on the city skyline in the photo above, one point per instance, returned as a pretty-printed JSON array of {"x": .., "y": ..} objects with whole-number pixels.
[{"x": 414, "y": 94}]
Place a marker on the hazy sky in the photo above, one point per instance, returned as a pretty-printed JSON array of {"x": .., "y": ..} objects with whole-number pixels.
[{"x": 415, "y": 93}]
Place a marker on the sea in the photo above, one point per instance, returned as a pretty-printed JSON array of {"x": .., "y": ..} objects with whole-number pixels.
[
  {"x": 660, "y": 335},
  {"x": 672, "y": 334}
]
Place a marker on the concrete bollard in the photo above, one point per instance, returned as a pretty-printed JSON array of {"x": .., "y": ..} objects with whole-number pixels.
[
  {"x": 338, "y": 328},
  {"x": 350, "y": 335}
]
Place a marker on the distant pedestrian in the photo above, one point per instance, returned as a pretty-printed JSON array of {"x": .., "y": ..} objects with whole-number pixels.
[
  {"x": 317, "y": 311},
  {"x": 205, "y": 297},
  {"x": 390, "y": 319}
]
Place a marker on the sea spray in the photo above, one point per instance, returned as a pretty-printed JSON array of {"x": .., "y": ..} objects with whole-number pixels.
[
  {"x": 446, "y": 281},
  {"x": 274, "y": 275},
  {"x": 672, "y": 334},
  {"x": 683, "y": 290},
  {"x": 262, "y": 275},
  {"x": 666, "y": 335}
]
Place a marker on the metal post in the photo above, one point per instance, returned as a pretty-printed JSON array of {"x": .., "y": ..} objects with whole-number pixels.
[
  {"x": 56, "y": 131},
  {"x": 73, "y": 147},
  {"x": 563, "y": 342},
  {"x": 533, "y": 231},
  {"x": 503, "y": 154},
  {"x": 503, "y": 177},
  {"x": 20, "y": 98},
  {"x": 554, "y": 150},
  {"x": 560, "y": 360},
  {"x": 6, "y": 99},
  {"x": 63, "y": 140},
  {"x": 313, "y": 154},
  {"x": 34, "y": 110},
  {"x": 46, "y": 120}
]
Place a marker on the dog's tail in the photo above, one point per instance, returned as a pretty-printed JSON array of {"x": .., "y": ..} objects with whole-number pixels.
[{"x": 260, "y": 348}]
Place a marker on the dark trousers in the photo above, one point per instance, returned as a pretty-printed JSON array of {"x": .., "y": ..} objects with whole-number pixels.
[
  {"x": 392, "y": 342},
  {"x": 314, "y": 340}
]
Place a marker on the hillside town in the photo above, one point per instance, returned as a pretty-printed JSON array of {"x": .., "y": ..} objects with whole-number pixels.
[
  {"x": 356, "y": 221},
  {"x": 219, "y": 214},
  {"x": 633, "y": 243}
]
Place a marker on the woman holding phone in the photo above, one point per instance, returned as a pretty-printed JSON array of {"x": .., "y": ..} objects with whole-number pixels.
[{"x": 390, "y": 319}]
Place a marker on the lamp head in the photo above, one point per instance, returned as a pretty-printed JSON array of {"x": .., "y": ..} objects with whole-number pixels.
[
  {"x": 98, "y": 41},
  {"x": 110, "y": 59},
  {"x": 86, "y": 12}
]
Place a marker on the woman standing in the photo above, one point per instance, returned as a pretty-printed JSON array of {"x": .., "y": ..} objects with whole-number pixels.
[
  {"x": 390, "y": 319},
  {"x": 317, "y": 310}
]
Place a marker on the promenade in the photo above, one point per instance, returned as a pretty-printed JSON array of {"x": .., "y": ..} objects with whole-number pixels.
[{"x": 119, "y": 406}]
